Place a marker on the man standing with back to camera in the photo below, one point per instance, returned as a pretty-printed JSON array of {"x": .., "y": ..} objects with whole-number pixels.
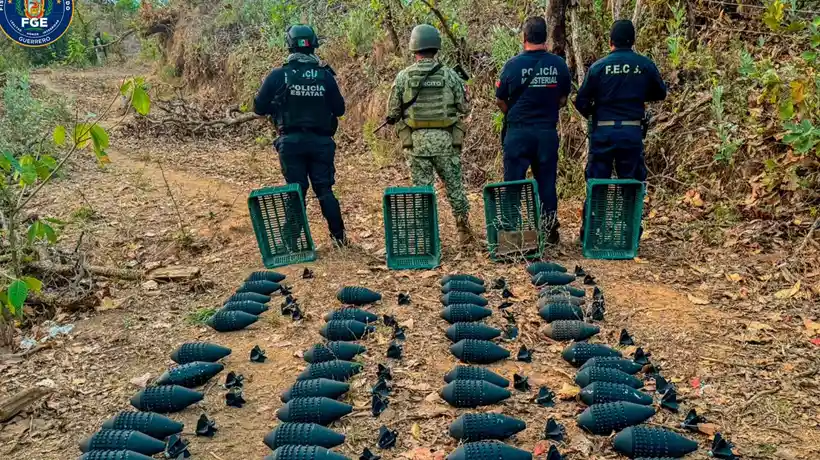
[
  {"x": 531, "y": 89},
  {"x": 613, "y": 98},
  {"x": 305, "y": 103}
]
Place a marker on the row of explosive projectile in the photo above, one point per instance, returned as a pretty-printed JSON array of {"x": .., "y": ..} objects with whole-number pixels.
[
  {"x": 471, "y": 386},
  {"x": 248, "y": 302},
  {"x": 608, "y": 385},
  {"x": 137, "y": 435},
  {"x": 311, "y": 403}
]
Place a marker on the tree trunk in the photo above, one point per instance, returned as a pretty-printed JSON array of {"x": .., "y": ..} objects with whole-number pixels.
[
  {"x": 617, "y": 6},
  {"x": 575, "y": 24},
  {"x": 391, "y": 29},
  {"x": 636, "y": 15},
  {"x": 556, "y": 26}
]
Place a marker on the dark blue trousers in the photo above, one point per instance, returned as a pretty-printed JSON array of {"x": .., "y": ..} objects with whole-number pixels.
[
  {"x": 537, "y": 148},
  {"x": 308, "y": 159}
]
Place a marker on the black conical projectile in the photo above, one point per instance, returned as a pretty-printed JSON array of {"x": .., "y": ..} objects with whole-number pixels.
[
  {"x": 260, "y": 287},
  {"x": 456, "y": 297},
  {"x": 560, "y": 311},
  {"x": 165, "y": 399},
  {"x": 552, "y": 279},
  {"x": 114, "y": 455},
  {"x": 155, "y": 425},
  {"x": 473, "y": 393},
  {"x": 291, "y": 452},
  {"x": 559, "y": 290},
  {"x": 478, "y": 351},
  {"x": 606, "y": 392},
  {"x": 478, "y": 331},
  {"x": 313, "y": 410},
  {"x": 488, "y": 450},
  {"x": 463, "y": 286},
  {"x": 190, "y": 375},
  {"x": 480, "y": 427},
  {"x": 354, "y": 295},
  {"x": 603, "y": 419},
  {"x": 122, "y": 440},
  {"x": 249, "y": 297},
  {"x": 228, "y": 321},
  {"x": 330, "y": 351},
  {"x": 266, "y": 276},
  {"x": 362, "y": 316},
  {"x": 461, "y": 277},
  {"x": 325, "y": 388},
  {"x": 579, "y": 353},
  {"x": 334, "y": 370},
  {"x": 303, "y": 434},
  {"x": 565, "y": 330},
  {"x": 464, "y": 313},
  {"x": 248, "y": 306},
  {"x": 606, "y": 374},
  {"x": 622, "y": 364},
  {"x": 643, "y": 441},
  {"x": 199, "y": 351},
  {"x": 538, "y": 267},
  {"x": 345, "y": 330},
  {"x": 560, "y": 298},
  {"x": 475, "y": 373}
]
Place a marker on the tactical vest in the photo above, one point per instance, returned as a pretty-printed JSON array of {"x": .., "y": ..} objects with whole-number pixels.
[
  {"x": 305, "y": 108},
  {"x": 435, "y": 106}
]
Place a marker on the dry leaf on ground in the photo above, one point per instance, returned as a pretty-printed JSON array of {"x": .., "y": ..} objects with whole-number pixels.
[
  {"x": 568, "y": 392},
  {"x": 788, "y": 293}
]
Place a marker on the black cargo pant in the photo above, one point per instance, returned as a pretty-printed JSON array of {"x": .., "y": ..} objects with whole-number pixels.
[{"x": 308, "y": 159}]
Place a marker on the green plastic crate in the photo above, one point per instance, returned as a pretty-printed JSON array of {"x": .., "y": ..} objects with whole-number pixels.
[
  {"x": 512, "y": 211},
  {"x": 614, "y": 208},
  {"x": 281, "y": 226},
  {"x": 411, "y": 228}
]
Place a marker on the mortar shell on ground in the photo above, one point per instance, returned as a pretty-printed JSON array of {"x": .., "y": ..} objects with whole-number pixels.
[
  {"x": 304, "y": 453},
  {"x": 560, "y": 298},
  {"x": 456, "y": 297},
  {"x": 478, "y": 351},
  {"x": 230, "y": 321},
  {"x": 606, "y": 392},
  {"x": 320, "y": 387},
  {"x": 313, "y": 410},
  {"x": 463, "y": 313},
  {"x": 579, "y": 353},
  {"x": 488, "y": 450},
  {"x": 463, "y": 286},
  {"x": 473, "y": 393},
  {"x": 337, "y": 370},
  {"x": 461, "y": 277},
  {"x": 614, "y": 362},
  {"x": 478, "y": 331},
  {"x": 475, "y": 373},
  {"x": 248, "y": 306},
  {"x": 346, "y": 313},
  {"x": 603, "y": 419},
  {"x": 190, "y": 375},
  {"x": 330, "y": 351},
  {"x": 260, "y": 287},
  {"x": 605, "y": 374},
  {"x": 480, "y": 427},
  {"x": 354, "y": 295},
  {"x": 199, "y": 351},
  {"x": 113, "y": 455},
  {"x": 266, "y": 276},
  {"x": 248, "y": 296},
  {"x": 560, "y": 311},
  {"x": 538, "y": 267},
  {"x": 165, "y": 399},
  {"x": 303, "y": 434},
  {"x": 122, "y": 440},
  {"x": 155, "y": 425},
  {"x": 345, "y": 330},
  {"x": 644, "y": 441},
  {"x": 565, "y": 330},
  {"x": 552, "y": 279},
  {"x": 565, "y": 289}
]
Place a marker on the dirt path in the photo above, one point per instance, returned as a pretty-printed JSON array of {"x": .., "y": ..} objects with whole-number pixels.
[{"x": 759, "y": 401}]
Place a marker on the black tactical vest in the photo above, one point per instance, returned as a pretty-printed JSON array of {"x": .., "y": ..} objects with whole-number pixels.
[{"x": 304, "y": 108}]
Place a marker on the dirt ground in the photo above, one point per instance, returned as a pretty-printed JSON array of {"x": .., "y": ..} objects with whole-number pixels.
[{"x": 737, "y": 353}]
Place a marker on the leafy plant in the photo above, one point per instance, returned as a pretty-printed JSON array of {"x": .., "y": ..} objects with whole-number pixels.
[
  {"x": 774, "y": 14},
  {"x": 505, "y": 44},
  {"x": 802, "y": 137},
  {"x": 724, "y": 129}
]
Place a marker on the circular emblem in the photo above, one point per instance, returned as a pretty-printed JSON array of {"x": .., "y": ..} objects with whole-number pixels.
[{"x": 35, "y": 23}]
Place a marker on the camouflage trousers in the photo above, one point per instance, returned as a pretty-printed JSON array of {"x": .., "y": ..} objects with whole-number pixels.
[{"x": 423, "y": 170}]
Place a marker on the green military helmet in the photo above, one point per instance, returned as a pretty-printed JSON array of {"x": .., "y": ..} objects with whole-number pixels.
[
  {"x": 425, "y": 37},
  {"x": 301, "y": 36}
]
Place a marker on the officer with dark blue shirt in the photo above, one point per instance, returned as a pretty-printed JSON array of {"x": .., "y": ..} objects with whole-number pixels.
[
  {"x": 532, "y": 88},
  {"x": 613, "y": 98},
  {"x": 304, "y": 101}
]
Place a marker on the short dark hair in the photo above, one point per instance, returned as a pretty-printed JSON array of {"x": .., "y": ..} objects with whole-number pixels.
[
  {"x": 535, "y": 30},
  {"x": 427, "y": 53},
  {"x": 622, "y": 34}
]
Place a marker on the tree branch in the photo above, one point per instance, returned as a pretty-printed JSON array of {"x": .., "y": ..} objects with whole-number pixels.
[{"x": 460, "y": 51}]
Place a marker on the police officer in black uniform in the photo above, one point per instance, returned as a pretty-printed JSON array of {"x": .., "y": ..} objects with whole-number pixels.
[
  {"x": 531, "y": 89},
  {"x": 304, "y": 101},
  {"x": 613, "y": 98}
]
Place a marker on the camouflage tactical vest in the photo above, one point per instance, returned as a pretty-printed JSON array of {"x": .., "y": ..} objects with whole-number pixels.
[{"x": 435, "y": 106}]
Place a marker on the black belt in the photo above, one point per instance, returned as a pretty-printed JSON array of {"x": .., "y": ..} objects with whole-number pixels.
[
  {"x": 543, "y": 125},
  {"x": 286, "y": 131},
  {"x": 619, "y": 123}
]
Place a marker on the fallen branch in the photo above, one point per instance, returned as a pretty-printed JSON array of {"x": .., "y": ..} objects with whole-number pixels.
[
  {"x": 109, "y": 272},
  {"x": 64, "y": 302},
  {"x": 225, "y": 122},
  {"x": 17, "y": 357},
  {"x": 446, "y": 26},
  {"x": 13, "y": 405}
]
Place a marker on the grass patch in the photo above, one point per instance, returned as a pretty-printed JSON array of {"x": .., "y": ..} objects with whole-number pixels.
[
  {"x": 201, "y": 316},
  {"x": 83, "y": 214}
]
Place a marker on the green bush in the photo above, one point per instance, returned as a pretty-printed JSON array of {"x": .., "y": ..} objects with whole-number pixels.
[
  {"x": 359, "y": 31},
  {"x": 505, "y": 45},
  {"x": 27, "y": 121}
]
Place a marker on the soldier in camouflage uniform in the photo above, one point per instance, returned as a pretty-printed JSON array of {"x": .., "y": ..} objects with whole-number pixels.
[{"x": 426, "y": 101}]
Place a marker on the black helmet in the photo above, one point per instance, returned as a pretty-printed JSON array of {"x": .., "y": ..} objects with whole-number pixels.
[{"x": 301, "y": 36}]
